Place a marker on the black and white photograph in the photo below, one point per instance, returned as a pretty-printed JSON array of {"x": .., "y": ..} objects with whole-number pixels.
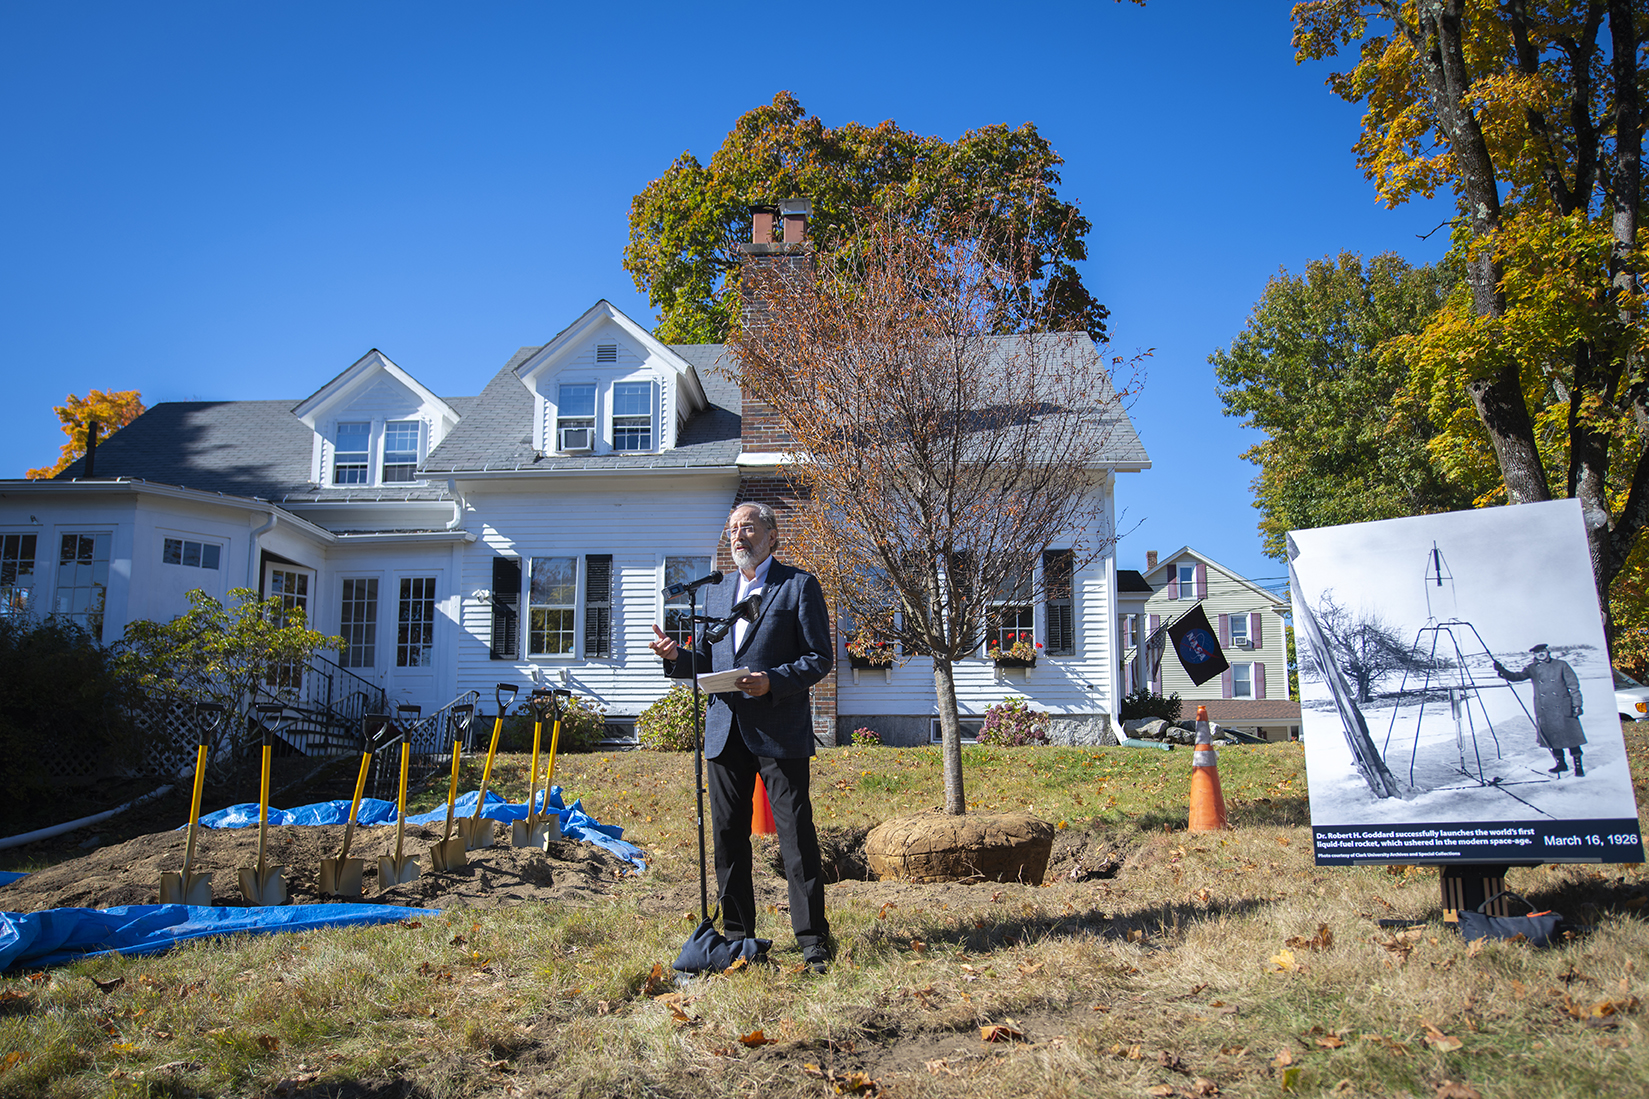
[{"x": 1457, "y": 699}]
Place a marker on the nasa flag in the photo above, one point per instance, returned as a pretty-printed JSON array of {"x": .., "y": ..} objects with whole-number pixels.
[{"x": 1199, "y": 650}]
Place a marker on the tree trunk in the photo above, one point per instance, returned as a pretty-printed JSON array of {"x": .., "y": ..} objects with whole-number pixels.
[{"x": 950, "y": 747}]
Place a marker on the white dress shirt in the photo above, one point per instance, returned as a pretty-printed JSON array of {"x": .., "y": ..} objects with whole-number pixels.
[{"x": 749, "y": 586}]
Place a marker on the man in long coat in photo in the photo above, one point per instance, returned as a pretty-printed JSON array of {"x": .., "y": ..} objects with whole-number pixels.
[{"x": 1557, "y": 706}]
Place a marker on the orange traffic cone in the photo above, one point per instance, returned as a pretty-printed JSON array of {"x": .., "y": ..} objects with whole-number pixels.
[
  {"x": 761, "y": 811},
  {"x": 1207, "y": 803}
]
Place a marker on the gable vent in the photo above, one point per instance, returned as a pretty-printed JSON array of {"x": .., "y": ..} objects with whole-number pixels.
[{"x": 606, "y": 352}]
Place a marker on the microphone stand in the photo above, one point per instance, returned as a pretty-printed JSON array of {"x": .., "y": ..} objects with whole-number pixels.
[{"x": 698, "y": 754}]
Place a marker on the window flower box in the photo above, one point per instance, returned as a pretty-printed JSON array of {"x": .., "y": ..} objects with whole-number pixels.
[
  {"x": 869, "y": 654},
  {"x": 1020, "y": 652}
]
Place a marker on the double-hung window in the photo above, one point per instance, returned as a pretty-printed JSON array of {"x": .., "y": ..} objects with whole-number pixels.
[
  {"x": 633, "y": 416},
  {"x": 552, "y": 606},
  {"x": 575, "y": 417},
  {"x": 1239, "y": 631},
  {"x": 1010, "y": 618},
  {"x": 400, "y": 452},
  {"x": 1187, "y": 581},
  {"x": 352, "y": 454},
  {"x": 678, "y": 624},
  {"x": 16, "y": 573},
  {"x": 1242, "y": 681}
]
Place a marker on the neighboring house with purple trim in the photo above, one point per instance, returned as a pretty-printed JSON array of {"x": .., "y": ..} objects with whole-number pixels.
[{"x": 1253, "y": 695}]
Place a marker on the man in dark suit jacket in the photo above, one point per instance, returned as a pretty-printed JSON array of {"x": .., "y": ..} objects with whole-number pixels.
[{"x": 764, "y": 727}]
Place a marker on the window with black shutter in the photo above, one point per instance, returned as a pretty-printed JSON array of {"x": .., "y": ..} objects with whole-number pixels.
[
  {"x": 598, "y": 605},
  {"x": 1058, "y": 567},
  {"x": 506, "y": 608}
]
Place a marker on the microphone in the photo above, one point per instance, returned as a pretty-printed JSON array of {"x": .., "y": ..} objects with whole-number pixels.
[
  {"x": 693, "y": 585},
  {"x": 748, "y": 607}
]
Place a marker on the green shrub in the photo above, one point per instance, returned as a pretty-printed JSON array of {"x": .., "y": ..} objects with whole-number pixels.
[
  {"x": 1011, "y": 723},
  {"x": 60, "y": 693},
  {"x": 1143, "y": 703},
  {"x": 667, "y": 725},
  {"x": 583, "y": 724}
]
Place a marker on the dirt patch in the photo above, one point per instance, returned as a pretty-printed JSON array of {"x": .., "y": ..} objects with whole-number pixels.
[{"x": 129, "y": 873}]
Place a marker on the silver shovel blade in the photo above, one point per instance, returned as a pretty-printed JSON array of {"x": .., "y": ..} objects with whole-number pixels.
[
  {"x": 393, "y": 871},
  {"x": 539, "y": 835},
  {"x": 268, "y": 888},
  {"x": 342, "y": 878},
  {"x": 448, "y": 855},
  {"x": 190, "y": 888},
  {"x": 476, "y": 834}
]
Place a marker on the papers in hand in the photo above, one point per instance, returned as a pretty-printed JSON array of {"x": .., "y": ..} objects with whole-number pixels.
[{"x": 721, "y": 682}]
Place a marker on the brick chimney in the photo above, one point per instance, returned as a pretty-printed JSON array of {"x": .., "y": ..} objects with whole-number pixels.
[
  {"x": 789, "y": 263},
  {"x": 1150, "y": 560}
]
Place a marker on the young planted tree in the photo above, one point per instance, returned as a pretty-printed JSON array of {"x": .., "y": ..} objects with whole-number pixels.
[
  {"x": 940, "y": 461},
  {"x": 218, "y": 653}
]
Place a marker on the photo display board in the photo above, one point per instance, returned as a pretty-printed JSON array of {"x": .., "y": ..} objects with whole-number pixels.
[{"x": 1457, "y": 702}]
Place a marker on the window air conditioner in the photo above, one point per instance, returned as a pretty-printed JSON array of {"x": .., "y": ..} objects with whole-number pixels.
[
  {"x": 1243, "y": 644},
  {"x": 576, "y": 438}
]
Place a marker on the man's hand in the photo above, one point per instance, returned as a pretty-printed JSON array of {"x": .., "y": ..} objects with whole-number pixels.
[
  {"x": 755, "y": 684},
  {"x": 664, "y": 646}
]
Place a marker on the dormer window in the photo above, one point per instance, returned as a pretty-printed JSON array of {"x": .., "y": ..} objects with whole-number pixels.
[
  {"x": 400, "y": 452},
  {"x": 352, "y": 463},
  {"x": 633, "y": 416},
  {"x": 575, "y": 419}
]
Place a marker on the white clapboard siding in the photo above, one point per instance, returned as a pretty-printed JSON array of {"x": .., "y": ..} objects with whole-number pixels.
[{"x": 639, "y": 526}]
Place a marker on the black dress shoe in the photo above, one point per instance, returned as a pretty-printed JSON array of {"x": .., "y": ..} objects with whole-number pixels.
[
  {"x": 1580, "y": 772},
  {"x": 1558, "y": 770}
]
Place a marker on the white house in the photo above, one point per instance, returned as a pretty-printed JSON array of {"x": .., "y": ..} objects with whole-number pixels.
[
  {"x": 459, "y": 542},
  {"x": 1253, "y": 695}
]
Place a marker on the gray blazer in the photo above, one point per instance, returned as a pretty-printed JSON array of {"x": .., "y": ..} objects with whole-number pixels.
[{"x": 790, "y": 641}]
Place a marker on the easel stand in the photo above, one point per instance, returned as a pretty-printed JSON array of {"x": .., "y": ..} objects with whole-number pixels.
[{"x": 1466, "y": 887}]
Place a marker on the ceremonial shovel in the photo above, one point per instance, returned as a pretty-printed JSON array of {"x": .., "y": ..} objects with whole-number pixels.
[
  {"x": 448, "y": 854},
  {"x": 399, "y": 870},
  {"x": 540, "y": 828},
  {"x": 264, "y": 884},
  {"x": 476, "y": 831},
  {"x": 341, "y": 877},
  {"x": 190, "y": 887}
]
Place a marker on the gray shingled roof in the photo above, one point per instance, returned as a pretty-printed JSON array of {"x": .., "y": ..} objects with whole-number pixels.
[
  {"x": 259, "y": 448},
  {"x": 1133, "y": 580},
  {"x": 497, "y": 433}
]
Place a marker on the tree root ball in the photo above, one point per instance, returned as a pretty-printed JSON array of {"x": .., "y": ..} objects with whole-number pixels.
[{"x": 934, "y": 847}]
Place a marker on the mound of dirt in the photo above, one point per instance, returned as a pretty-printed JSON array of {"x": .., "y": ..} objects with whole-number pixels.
[{"x": 129, "y": 873}]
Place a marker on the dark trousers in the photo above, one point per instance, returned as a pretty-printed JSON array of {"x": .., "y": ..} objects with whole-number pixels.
[{"x": 732, "y": 781}]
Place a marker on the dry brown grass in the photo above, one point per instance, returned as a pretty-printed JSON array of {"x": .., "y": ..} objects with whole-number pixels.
[{"x": 1225, "y": 964}]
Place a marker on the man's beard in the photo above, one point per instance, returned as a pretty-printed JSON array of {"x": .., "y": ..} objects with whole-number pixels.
[{"x": 742, "y": 557}]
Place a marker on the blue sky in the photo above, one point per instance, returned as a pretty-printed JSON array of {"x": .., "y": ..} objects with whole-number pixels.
[{"x": 237, "y": 201}]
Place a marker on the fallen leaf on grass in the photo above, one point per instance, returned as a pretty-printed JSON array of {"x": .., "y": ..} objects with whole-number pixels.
[
  {"x": 738, "y": 964},
  {"x": 657, "y": 983},
  {"x": 917, "y": 946},
  {"x": 268, "y": 1043},
  {"x": 845, "y": 1083},
  {"x": 412, "y": 924},
  {"x": 1282, "y": 961},
  {"x": 1322, "y": 940},
  {"x": 756, "y": 1038},
  {"x": 1000, "y": 1032},
  {"x": 1204, "y": 1086},
  {"x": 10, "y": 1059},
  {"x": 1030, "y": 970},
  {"x": 1284, "y": 1058},
  {"x": 1160, "y": 1091},
  {"x": 1450, "y": 1089},
  {"x": 109, "y": 985},
  {"x": 1331, "y": 1041},
  {"x": 1442, "y": 1043}
]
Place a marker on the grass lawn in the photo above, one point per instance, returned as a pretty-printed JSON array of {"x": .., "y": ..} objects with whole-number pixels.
[{"x": 1192, "y": 965}]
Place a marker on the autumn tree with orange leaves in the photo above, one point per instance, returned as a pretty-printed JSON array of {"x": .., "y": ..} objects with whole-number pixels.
[
  {"x": 1531, "y": 114},
  {"x": 938, "y": 459},
  {"x": 111, "y": 411}
]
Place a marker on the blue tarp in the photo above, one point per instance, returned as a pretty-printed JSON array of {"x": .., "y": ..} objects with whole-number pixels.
[
  {"x": 9, "y": 876},
  {"x": 60, "y": 935},
  {"x": 575, "y": 823}
]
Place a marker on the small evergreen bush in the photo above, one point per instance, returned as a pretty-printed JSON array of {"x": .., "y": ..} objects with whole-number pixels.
[
  {"x": 667, "y": 725},
  {"x": 583, "y": 724},
  {"x": 1011, "y": 723},
  {"x": 1143, "y": 703}
]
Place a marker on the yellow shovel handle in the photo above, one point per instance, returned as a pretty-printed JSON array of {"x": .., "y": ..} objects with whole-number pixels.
[
  {"x": 194, "y": 805},
  {"x": 452, "y": 792},
  {"x": 401, "y": 801},
  {"x": 355, "y": 804},
  {"x": 486, "y": 772},
  {"x": 555, "y": 739}
]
